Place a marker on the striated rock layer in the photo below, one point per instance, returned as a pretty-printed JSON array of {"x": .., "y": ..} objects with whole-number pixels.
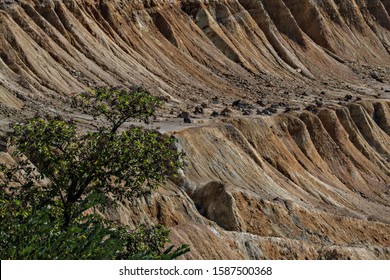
[
  {"x": 299, "y": 185},
  {"x": 186, "y": 50},
  {"x": 292, "y": 186}
]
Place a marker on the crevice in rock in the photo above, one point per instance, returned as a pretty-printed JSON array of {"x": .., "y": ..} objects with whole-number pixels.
[{"x": 163, "y": 26}]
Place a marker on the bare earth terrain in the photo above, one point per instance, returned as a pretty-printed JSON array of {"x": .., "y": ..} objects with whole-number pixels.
[{"x": 288, "y": 149}]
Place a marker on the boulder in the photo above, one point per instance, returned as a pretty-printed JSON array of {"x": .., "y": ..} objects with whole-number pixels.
[{"x": 216, "y": 202}]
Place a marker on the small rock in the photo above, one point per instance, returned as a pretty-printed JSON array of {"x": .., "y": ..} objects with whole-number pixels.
[
  {"x": 215, "y": 100},
  {"x": 268, "y": 111},
  {"x": 311, "y": 108},
  {"x": 261, "y": 103},
  {"x": 236, "y": 103},
  {"x": 214, "y": 114},
  {"x": 273, "y": 110},
  {"x": 184, "y": 115},
  {"x": 319, "y": 103},
  {"x": 347, "y": 97},
  {"x": 241, "y": 105},
  {"x": 375, "y": 75},
  {"x": 21, "y": 96},
  {"x": 198, "y": 110},
  {"x": 247, "y": 112}
]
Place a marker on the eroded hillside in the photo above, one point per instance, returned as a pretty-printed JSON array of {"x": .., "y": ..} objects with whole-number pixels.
[
  {"x": 309, "y": 177},
  {"x": 193, "y": 50},
  {"x": 290, "y": 186}
]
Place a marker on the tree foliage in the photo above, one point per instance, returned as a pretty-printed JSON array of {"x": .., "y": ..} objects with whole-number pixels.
[{"x": 48, "y": 199}]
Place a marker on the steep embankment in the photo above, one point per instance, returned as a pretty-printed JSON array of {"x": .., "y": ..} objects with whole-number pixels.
[
  {"x": 304, "y": 184},
  {"x": 297, "y": 185},
  {"x": 189, "y": 50}
]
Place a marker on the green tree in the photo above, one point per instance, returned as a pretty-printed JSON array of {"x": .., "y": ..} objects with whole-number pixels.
[{"x": 49, "y": 199}]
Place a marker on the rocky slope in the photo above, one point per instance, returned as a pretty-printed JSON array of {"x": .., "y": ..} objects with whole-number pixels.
[
  {"x": 312, "y": 181},
  {"x": 297, "y": 185},
  {"x": 193, "y": 50}
]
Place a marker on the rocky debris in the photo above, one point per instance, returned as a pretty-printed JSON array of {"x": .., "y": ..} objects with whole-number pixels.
[
  {"x": 267, "y": 111},
  {"x": 226, "y": 112},
  {"x": 319, "y": 103},
  {"x": 215, "y": 100},
  {"x": 21, "y": 96},
  {"x": 289, "y": 109},
  {"x": 228, "y": 72},
  {"x": 198, "y": 110},
  {"x": 311, "y": 108},
  {"x": 261, "y": 103},
  {"x": 186, "y": 116},
  {"x": 375, "y": 75},
  {"x": 348, "y": 97},
  {"x": 247, "y": 112},
  {"x": 214, "y": 114},
  {"x": 4, "y": 3},
  {"x": 242, "y": 105}
]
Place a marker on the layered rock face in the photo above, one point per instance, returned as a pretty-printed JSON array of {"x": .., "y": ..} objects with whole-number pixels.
[
  {"x": 186, "y": 49},
  {"x": 291, "y": 186},
  {"x": 305, "y": 184}
]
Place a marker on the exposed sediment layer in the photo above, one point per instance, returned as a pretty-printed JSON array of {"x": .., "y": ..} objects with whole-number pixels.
[
  {"x": 298, "y": 185},
  {"x": 295, "y": 185},
  {"x": 184, "y": 49}
]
